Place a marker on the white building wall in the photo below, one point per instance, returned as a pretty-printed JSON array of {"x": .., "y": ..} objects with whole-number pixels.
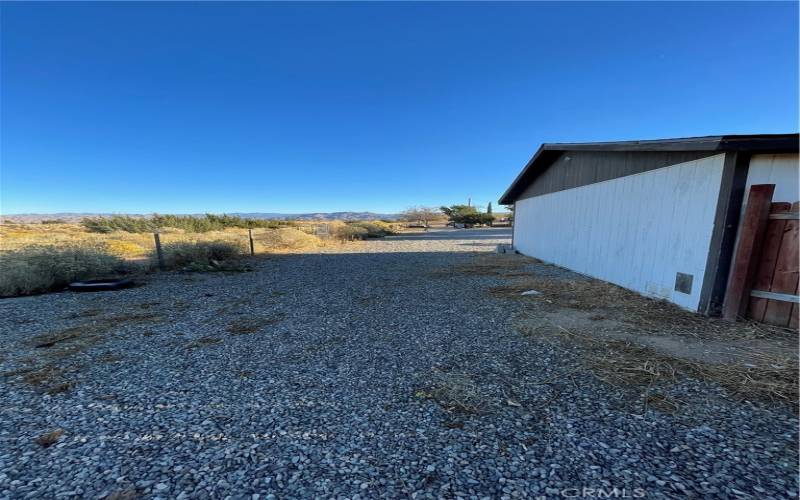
[
  {"x": 636, "y": 231},
  {"x": 782, "y": 170}
]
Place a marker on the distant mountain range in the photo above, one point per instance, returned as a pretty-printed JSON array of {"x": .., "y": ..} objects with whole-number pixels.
[{"x": 76, "y": 217}]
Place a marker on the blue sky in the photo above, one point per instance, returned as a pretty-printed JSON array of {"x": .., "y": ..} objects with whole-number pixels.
[{"x": 299, "y": 107}]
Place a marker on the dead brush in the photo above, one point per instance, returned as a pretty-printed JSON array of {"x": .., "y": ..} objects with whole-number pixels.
[
  {"x": 126, "y": 494},
  {"x": 49, "y": 378},
  {"x": 633, "y": 366},
  {"x": 45, "y": 375},
  {"x": 495, "y": 264},
  {"x": 616, "y": 303},
  {"x": 50, "y": 367},
  {"x": 250, "y": 325},
  {"x": 203, "y": 342},
  {"x": 88, "y": 332},
  {"x": 486, "y": 265},
  {"x": 455, "y": 392},
  {"x": 49, "y": 438}
]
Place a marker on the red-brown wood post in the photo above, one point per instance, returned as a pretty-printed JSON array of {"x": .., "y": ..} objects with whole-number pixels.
[
  {"x": 748, "y": 249},
  {"x": 252, "y": 248},
  {"x": 769, "y": 256}
]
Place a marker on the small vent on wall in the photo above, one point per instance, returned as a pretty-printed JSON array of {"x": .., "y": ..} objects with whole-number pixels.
[{"x": 683, "y": 283}]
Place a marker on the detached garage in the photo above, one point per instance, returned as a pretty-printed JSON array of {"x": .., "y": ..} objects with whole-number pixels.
[{"x": 659, "y": 217}]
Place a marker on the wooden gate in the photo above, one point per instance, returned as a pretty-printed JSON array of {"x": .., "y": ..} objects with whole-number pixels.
[
  {"x": 774, "y": 292},
  {"x": 763, "y": 284}
]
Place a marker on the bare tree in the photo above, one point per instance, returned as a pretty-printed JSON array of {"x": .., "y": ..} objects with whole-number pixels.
[{"x": 420, "y": 214}]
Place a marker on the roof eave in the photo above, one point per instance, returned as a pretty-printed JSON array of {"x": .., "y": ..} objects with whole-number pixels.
[{"x": 764, "y": 143}]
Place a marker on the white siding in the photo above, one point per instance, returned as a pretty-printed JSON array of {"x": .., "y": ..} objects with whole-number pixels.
[
  {"x": 781, "y": 170},
  {"x": 636, "y": 231}
]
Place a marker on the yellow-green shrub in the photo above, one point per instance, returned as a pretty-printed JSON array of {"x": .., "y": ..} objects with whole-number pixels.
[
  {"x": 287, "y": 238},
  {"x": 376, "y": 229},
  {"x": 199, "y": 255},
  {"x": 37, "y": 269},
  {"x": 349, "y": 232}
]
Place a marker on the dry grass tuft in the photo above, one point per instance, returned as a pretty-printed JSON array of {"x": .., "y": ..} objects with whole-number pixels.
[
  {"x": 50, "y": 367},
  {"x": 49, "y": 378},
  {"x": 110, "y": 357},
  {"x": 203, "y": 342},
  {"x": 43, "y": 375},
  {"x": 126, "y": 494},
  {"x": 663, "y": 403},
  {"x": 59, "y": 388},
  {"x": 52, "y": 338},
  {"x": 246, "y": 326},
  {"x": 455, "y": 392},
  {"x": 629, "y": 365},
  {"x": 49, "y": 438},
  {"x": 495, "y": 265},
  {"x": 203, "y": 255},
  {"x": 287, "y": 239},
  {"x": 506, "y": 265}
]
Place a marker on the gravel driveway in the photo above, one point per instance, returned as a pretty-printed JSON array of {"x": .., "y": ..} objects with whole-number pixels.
[{"x": 361, "y": 375}]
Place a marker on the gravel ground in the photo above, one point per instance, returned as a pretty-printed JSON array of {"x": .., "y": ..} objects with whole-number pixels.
[{"x": 359, "y": 375}]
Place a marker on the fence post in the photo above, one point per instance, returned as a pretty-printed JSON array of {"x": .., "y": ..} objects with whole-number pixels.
[
  {"x": 252, "y": 248},
  {"x": 159, "y": 252}
]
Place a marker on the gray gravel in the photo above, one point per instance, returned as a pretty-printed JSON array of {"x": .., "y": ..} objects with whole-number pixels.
[{"x": 330, "y": 397}]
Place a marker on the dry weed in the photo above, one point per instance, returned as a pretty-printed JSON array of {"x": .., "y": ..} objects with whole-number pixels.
[
  {"x": 50, "y": 367},
  {"x": 49, "y": 438},
  {"x": 246, "y": 326},
  {"x": 126, "y": 494},
  {"x": 59, "y": 388},
  {"x": 203, "y": 342},
  {"x": 487, "y": 265},
  {"x": 455, "y": 392},
  {"x": 629, "y": 365}
]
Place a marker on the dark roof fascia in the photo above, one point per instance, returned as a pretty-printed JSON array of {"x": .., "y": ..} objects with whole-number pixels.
[{"x": 548, "y": 152}]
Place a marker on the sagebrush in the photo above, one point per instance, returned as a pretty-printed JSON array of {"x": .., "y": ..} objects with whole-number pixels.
[
  {"x": 287, "y": 238},
  {"x": 45, "y": 268},
  {"x": 200, "y": 255}
]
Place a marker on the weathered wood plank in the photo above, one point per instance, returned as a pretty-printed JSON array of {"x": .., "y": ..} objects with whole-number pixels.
[
  {"x": 745, "y": 261},
  {"x": 786, "y": 274},
  {"x": 769, "y": 256},
  {"x": 793, "y": 317},
  {"x": 782, "y": 297},
  {"x": 785, "y": 216}
]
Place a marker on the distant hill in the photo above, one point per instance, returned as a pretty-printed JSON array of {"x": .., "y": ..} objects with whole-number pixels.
[{"x": 77, "y": 217}]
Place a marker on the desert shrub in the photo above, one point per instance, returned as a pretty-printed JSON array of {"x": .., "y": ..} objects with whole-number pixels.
[
  {"x": 188, "y": 223},
  {"x": 200, "y": 255},
  {"x": 349, "y": 232},
  {"x": 376, "y": 229},
  {"x": 288, "y": 238},
  {"x": 118, "y": 223},
  {"x": 37, "y": 269},
  {"x": 54, "y": 221}
]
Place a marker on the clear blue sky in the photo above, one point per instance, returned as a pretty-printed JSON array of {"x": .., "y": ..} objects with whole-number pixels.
[{"x": 298, "y": 107}]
